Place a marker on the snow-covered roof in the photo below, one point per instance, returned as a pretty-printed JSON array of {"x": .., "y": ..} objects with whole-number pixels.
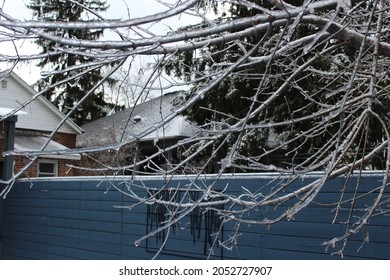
[
  {"x": 6, "y": 111},
  {"x": 35, "y": 143},
  {"x": 131, "y": 122}
]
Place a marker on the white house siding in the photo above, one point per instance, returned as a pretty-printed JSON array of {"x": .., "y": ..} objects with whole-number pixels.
[{"x": 39, "y": 114}]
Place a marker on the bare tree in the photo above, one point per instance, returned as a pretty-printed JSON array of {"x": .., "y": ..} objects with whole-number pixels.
[{"x": 351, "y": 106}]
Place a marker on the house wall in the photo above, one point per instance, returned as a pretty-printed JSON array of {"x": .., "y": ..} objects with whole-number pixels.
[
  {"x": 63, "y": 169},
  {"x": 66, "y": 139},
  {"x": 75, "y": 218},
  {"x": 105, "y": 163},
  {"x": 95, "y": 164},
  {"x": 37, "y": 117},
  {"x": 40, "y": 114}
]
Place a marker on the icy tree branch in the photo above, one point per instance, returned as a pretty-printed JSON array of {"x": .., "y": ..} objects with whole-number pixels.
[{"x": 313, "y": 72}]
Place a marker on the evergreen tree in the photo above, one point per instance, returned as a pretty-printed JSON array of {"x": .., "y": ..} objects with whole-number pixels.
[
  {"x": 304, "y": 96},
  {"x": 67, "y": 95}
]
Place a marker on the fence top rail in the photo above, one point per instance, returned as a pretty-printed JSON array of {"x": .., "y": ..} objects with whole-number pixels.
[{"x": 225, "y": 176}]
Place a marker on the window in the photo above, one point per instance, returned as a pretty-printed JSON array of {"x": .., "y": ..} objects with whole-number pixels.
[{"x": 47, "y": 168}]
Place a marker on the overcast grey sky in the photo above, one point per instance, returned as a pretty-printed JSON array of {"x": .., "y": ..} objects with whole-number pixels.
[{"x": 119, "y": 9}]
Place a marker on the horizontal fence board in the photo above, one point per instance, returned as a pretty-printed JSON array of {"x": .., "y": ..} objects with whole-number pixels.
[
  {"x": 27, "y": 242},
  {"x": 78, "y": 254},
  {"x": 31, "y": 228},
  {"x": 277, "y": 254},
  {"x": 85, "y": 234},
  {"x": 98, "y": 226},
  {"x": 15, "y": 253},
  {"x": 84, "y": 244},
  {"x": 87, "y": 218},
  {"x": 34, "y": 238}
]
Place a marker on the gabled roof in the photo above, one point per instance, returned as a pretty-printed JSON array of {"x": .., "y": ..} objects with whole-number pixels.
[
  {"x": 133, "y": 121},
  {"x": 50, "y": 108}
]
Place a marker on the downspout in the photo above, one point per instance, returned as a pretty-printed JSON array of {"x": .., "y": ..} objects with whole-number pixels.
[{"x": 7, "y": 166}]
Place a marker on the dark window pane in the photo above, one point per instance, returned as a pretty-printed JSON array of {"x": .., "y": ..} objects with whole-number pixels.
[{"x": 46, "y": 167}]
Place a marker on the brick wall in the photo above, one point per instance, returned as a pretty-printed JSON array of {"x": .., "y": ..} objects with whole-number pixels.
[
  {"x": 96, "y": 163},
  {"x": 68, "y": 140},
  {"x": 91, "y": 164},
  {"x": 20, "y": 162},
  {"x": 63, "y": 167}
]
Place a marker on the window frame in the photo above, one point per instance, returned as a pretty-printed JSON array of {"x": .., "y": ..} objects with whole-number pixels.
[{"x": 47, "y": 174}]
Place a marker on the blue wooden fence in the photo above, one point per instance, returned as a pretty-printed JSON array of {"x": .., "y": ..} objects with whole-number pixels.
[{"x": 77, "y": 218}]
